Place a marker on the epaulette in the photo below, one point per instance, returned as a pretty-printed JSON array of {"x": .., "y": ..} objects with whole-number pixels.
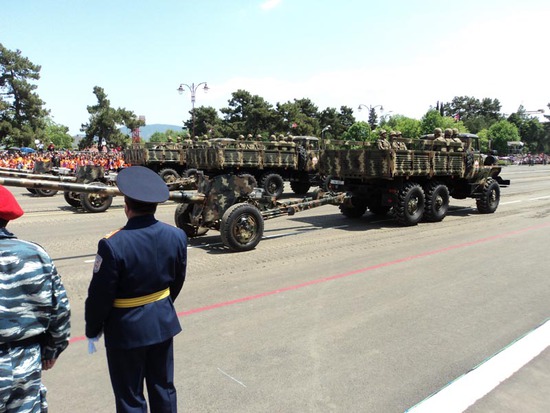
[{"x": 110, "y": 234}]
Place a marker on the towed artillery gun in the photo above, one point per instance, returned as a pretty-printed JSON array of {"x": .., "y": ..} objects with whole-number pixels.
[
  {"x": 41, "y": 169},
  {"x": 413, "y": 178},
  {"x": 50, "y": 184},
  {"x": 75, "y": 196},
  {"x": 230, "y": 204}
]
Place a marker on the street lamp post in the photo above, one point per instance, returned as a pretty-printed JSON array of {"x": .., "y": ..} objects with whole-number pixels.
[
  {"x": 371, "y": 111},
  {"x": 193, "y": 90}
]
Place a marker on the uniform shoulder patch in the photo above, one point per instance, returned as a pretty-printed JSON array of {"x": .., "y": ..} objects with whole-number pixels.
[
  {"x": 97, "y": 263},
  {"x": 110, "y": 234}
]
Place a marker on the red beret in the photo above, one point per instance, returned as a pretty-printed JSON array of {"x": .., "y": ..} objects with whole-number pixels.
[{"x": 9, "y": 208}]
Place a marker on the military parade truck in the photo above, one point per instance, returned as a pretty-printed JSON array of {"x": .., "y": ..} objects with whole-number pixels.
[
  {"x": 167, "y": 159},
  {"x": 413, "y": 178},
  {"x": 270, "y": 163}
]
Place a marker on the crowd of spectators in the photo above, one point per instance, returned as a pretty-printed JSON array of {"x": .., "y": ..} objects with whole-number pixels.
[
  {"x": 527, "y": 159},
  {"x": 112, "y": 160}
]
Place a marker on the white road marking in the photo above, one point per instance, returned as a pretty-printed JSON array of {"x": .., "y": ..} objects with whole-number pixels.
[
  {"x": 463, "y": 392},
  {"x": 232, "y": 378}
]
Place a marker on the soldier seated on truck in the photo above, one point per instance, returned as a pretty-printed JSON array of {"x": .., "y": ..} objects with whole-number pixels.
[
  {"x": 440, "y": 143},
  {"x": 382, "y": 142}
]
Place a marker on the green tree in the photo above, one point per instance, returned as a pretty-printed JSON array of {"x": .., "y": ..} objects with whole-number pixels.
[
  {"x": 476, "y": 114},
  {"x": 409, "y": 127},
  {"x": 58, "y": 135},
  {"x": 531, "y": 131},
  {"x": 22, "y": 114},
  {"x": 170, "y": 134},
  {"x": 299, "y": 118},
  {"x": 105, "y": 121},
  {"x": 433, "y": 119},
  {"x": 207, "y": 122},
  {"x": 359, "y": 131},
  {"x": 248, "y": 114},
  {"x": 339, "y": 121},
  {"x": 500, "y": 133}
]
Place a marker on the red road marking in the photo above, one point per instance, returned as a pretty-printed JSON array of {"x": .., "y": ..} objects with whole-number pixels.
[{"x": 354, "y": 272}]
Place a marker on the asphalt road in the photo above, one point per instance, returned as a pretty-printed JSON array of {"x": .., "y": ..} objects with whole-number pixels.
[{"x": 327, "y": 314}]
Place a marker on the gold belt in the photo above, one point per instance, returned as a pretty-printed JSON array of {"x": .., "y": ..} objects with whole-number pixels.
[{"x": 139, "y": 301}]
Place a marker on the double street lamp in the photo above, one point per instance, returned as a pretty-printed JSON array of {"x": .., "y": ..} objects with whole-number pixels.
[
  {"x": 372, "y": 112},
  {"x": 193, "y": 90}
]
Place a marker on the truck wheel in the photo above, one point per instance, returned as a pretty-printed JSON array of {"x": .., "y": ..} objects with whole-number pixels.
[
  {"x": 46, "y": 192},
  {"x": 96, "y": 202},
  {"x": 168, "y": 175},
  {"x": 302, "y": 158},
  {"x": 190, "y": 172},
  {"x": 300, "y": 188},
  {"x": 272, "y": 184},
  {"x": 410, "y": 204},
  {"x": 437, "y": 202},
  {"x": 242, "y": 227},
  {"x": 32, "y": 190},
  {"x": 356, "y": 210},
  {"x": 182, "y": 218},
  {"x": 72, "y": 198},
  {"x": 487, "y": 203}
]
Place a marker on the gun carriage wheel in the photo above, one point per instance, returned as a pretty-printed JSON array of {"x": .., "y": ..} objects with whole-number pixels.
[
  {"x": 242, "y": 227},
  {"x": 96, "y": 202},
  {"x": 182, "y": 218},
  {"x": 72, "y": 198}
]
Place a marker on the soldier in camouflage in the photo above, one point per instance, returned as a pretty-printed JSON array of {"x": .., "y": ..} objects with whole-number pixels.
[{"x": 34, "y": 316}]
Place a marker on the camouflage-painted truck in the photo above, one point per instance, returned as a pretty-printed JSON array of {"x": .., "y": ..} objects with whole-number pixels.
[
  {"x": 270, "y": 163},
  {"x": 169, "y": 160},
  {"x": 413, "y": 178}
]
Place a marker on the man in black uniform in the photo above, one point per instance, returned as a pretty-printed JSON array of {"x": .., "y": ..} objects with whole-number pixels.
[{"x": 138, "y": 272}]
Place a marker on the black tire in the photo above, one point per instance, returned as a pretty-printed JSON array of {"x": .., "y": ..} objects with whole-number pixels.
[
  {"x": 300, "y": 188},
  {"x": 436, "y": 202},
  {"x": 272, "y": 184},
  {"x": 32, "y": 190},
  {"x": 302, "y": 158},
  {"x": 242, "y": 227},
  {"x": 354, "y": 211},
  {"x": 72, "y": 198},
  {"x": 169, "y": 175},
  {"x": 96, "y": 202},
  {"x": 46, "y": 192},
  {"x": 190, "y": 172},
  {"x": 488, "y": 202},
  {"x": 251, "y": 179},
  {"x": 182, "y": 218},
  {"x": 410, "y": 204}
]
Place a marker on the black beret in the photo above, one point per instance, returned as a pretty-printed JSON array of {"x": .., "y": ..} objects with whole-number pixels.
[{"x": 142, "y": 184}]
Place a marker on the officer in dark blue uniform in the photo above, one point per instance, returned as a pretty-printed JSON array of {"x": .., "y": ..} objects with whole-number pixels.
[{"x": 138, "y": 273}]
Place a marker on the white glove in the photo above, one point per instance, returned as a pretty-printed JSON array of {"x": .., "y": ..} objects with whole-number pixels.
[{"x": 91, "y": 344}]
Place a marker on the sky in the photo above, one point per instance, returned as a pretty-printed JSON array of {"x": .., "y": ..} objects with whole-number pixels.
[{"x": 403, "y": 55}]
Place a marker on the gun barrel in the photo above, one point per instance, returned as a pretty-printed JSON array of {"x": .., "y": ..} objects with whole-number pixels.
[
  {"x": 177, "y": 196},
  {"x": 28, "y": 175}
]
